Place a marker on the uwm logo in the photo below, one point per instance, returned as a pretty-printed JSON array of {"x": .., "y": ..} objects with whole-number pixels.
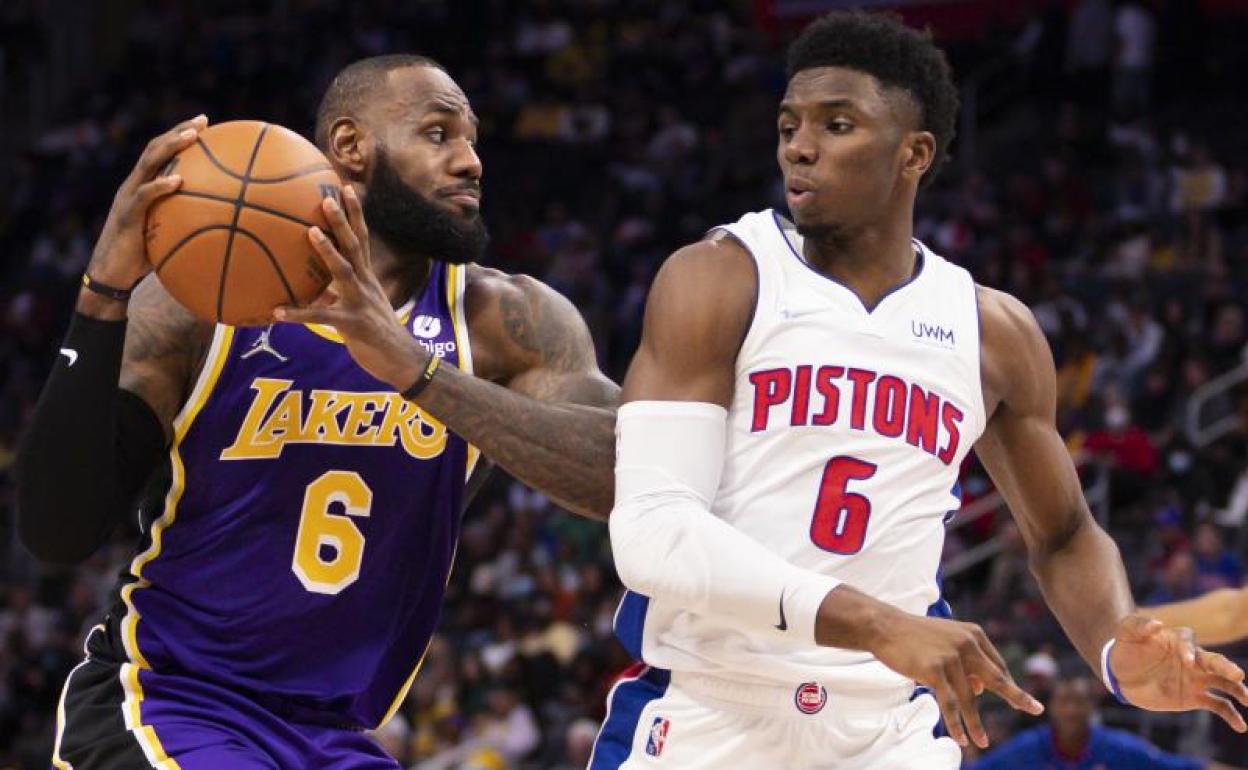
[
  {"x": 932, "y": 332},
  {"x": 826, "y": 395}
]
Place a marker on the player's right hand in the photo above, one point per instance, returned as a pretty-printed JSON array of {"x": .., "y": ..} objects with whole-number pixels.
[
  {"x": 120, "y": 258},
  {"x": 957, "y": 662}
]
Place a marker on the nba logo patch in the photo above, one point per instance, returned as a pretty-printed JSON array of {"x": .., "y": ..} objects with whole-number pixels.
[
  {"x": 810, "y": 698},
  {"x": 658, "y": 736}
]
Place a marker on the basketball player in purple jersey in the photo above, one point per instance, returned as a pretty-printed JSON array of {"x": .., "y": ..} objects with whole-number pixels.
[{"x": 286, "y": 588}]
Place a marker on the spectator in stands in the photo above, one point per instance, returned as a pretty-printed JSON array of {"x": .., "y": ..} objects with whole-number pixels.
[
  {"x": 1135, "y": 38},
  {"x": 1074, "y": 741},
  {"x": 1178, "y": 581},
  {"x": 618, "y": 130},
  {"x": 1217, "y": 565}
]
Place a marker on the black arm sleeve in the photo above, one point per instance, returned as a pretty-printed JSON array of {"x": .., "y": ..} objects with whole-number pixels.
[{"x": 88, "y": 449}]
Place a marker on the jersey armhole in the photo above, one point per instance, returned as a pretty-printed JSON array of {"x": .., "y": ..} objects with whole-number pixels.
[
  {"x": 982, "y": 401},
  {"x": 720, "y": 233}
]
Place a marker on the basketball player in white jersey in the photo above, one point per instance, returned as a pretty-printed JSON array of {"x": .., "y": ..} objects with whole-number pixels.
[{"x": 795, "y": 417}]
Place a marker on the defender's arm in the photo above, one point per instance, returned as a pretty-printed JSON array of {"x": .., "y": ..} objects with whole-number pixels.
[
  {"x": 1075, "y": 562},
  {"x": 1218, "y": 617},
  {"x": 672, "y": 429}
]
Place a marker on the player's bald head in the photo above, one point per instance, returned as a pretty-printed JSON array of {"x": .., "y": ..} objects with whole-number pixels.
[{"x": 358, "y": 82}]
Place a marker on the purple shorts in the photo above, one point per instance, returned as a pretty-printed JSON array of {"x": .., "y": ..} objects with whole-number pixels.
[{"x": 187, "y": 723}]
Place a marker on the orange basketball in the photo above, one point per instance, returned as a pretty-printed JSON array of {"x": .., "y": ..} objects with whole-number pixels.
[{"x": 232, "y": 243}]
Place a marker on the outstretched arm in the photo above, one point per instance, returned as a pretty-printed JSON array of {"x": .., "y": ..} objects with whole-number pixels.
[
  {"x": 551, "y": 426},
  {"x": 1218, "y": 617},
  {"x": 1075, "y": 562}
]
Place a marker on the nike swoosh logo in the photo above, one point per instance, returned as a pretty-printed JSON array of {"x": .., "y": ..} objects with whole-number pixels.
[
  {"x": 783, "y": 625},
  {"x": 71, "y": 354},
  {"x": 791, "y": 313}
]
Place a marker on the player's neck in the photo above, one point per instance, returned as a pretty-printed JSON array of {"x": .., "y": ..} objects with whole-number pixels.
[
  {"x": 871, "y": 262},
  {"x": 400, "y": 277}
]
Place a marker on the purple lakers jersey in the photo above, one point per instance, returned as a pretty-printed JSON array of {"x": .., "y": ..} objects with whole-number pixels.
[{"x": 310, "y": 525}]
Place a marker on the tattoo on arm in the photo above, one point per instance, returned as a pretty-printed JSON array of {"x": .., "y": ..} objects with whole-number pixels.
[
  {"x": 553, "y": 425},
  {"x": 165, "y": 346},
  {"x": 518, "y": 323}
]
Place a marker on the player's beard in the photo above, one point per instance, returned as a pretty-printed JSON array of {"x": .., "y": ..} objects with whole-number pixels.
[{"x": 414, "y": 226}]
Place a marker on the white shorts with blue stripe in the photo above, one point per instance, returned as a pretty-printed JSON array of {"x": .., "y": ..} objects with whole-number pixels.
[{"x": 659, "y": 719}]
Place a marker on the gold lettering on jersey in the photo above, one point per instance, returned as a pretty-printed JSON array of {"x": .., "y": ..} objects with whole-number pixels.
[
  {"x": 279, "y": 416},
  {"x": 322, "y": 420}
]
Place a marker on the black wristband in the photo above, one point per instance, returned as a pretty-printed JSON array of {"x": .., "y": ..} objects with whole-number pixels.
[
  {"x": 424, "y": 379},
  {"x": 104, "y": 290}
]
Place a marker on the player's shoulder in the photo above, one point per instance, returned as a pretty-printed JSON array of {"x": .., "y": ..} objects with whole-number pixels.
[
  {"x": 1015, "y": 361},
  {"x": 488, "y": 286},
  {"x": 1031, "y": 742},
  {"x": 715, "y": 278},
  {"x": 491, "y": 290},
  {"x": 719, "y": 255},
  {"x": 151, "y": 297},
  {"x": 1004, "y": 312},
  {"x": 1124, "y": 745},
  {"x": 1027, "y": 746},
  {"x": 159, "y": 323},
  {"x": 516, "y": 321},
  {"x": 1006, "y": 323}
]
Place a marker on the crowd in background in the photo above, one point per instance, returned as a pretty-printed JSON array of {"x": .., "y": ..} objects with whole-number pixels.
[{"x": 1103, "y": 189}]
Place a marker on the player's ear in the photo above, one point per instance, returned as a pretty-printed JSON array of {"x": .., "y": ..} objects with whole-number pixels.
[
  {"x": 350, "y": 147},
  {"x": 918, "y": 152}
]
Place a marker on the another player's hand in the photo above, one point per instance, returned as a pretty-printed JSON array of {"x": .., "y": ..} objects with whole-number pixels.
[
  {"x": 957, "y": 662},
  {"x": 1160, "y": 668},
  {"x": 120, "y": 258},
  {"x": 355, "y": 303}
]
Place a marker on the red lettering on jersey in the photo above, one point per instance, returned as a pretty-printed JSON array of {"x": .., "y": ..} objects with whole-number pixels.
[
  {"x": 771, "y": 388},
  {"x": 922, "y": 430},
  {"x": 831, "y": 394},
  {"x": 858, "y": 413},
  {"x": 890, "y": 406},
  {"x": 950, "y": 416},
  {"x": 801, "y": 397}
]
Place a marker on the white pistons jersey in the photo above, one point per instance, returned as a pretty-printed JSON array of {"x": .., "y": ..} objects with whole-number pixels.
[{"x": 846, "y": 432}]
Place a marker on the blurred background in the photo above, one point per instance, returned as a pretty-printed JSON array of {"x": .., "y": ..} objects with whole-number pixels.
[{"x": 1098, "y": 175}]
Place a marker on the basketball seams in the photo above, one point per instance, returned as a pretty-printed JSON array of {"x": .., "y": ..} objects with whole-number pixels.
[
  {"x": 246, "y": 204},
  {"x": 185, "y": 240},
  {"x": 238, "y": 211},
  {"x": 272, "y": 261},
  {"x": 213, "y": 160},
  {"x": 246, "y": 177},
  {"x": 314, "y": 168}
]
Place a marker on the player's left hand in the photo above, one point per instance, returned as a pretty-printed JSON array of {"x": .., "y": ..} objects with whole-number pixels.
[
  {"x": 1160, "y": 668},
  {"x": 355, "y": 303}
]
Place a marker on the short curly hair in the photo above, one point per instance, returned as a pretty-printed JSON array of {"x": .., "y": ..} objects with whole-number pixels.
[{"x": 881, "y": 45}]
